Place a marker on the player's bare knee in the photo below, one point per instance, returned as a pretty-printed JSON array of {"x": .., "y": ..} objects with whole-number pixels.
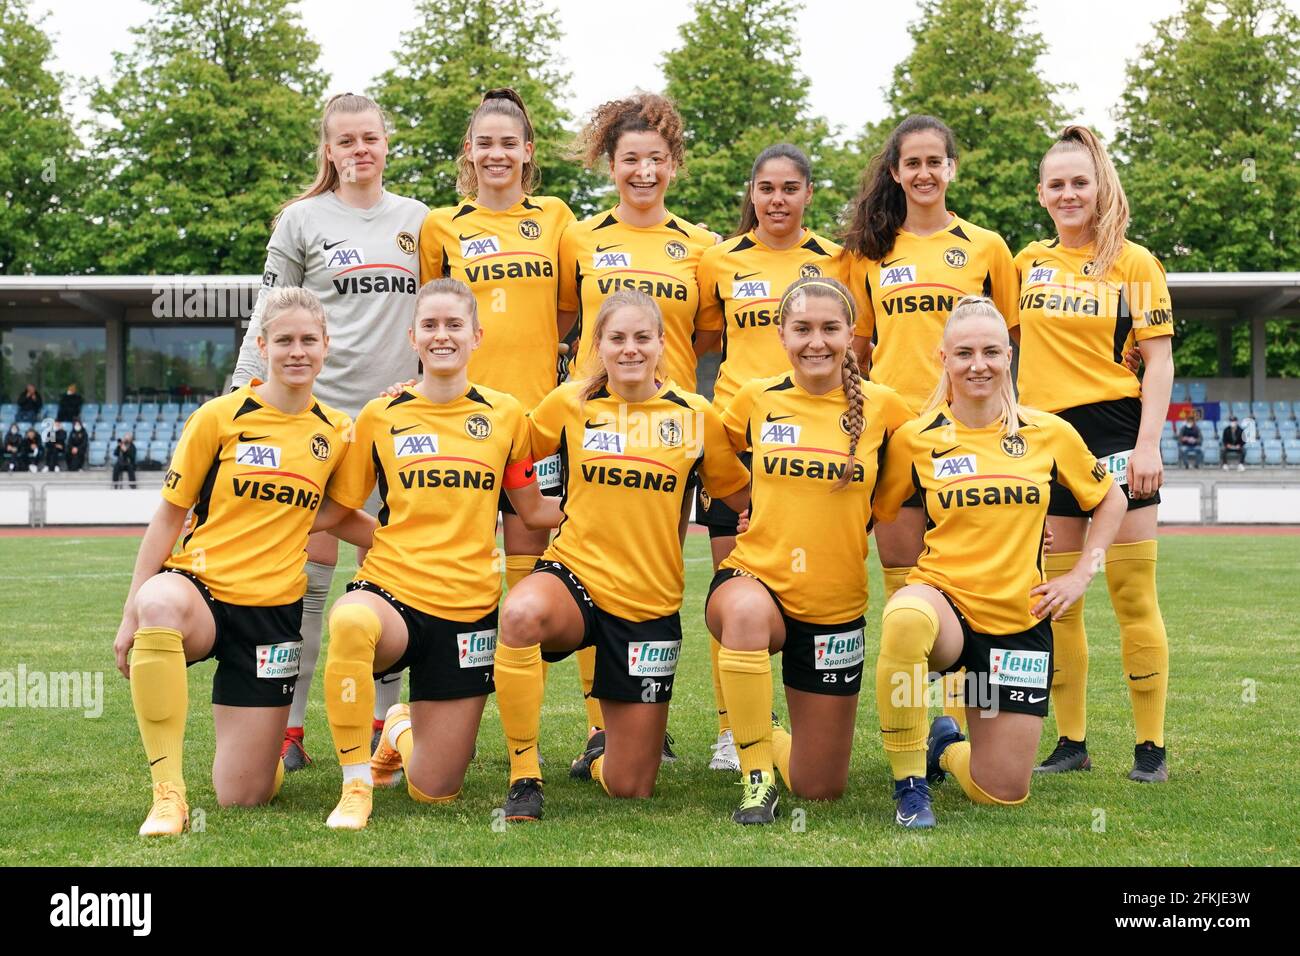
[
  {"x": 523, "y": 621},
  {"x": 155, "y": 608}
]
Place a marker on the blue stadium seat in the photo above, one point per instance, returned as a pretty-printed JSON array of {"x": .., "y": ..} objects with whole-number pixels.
[
  {"x": 1169, "y": 451},
  {"x": 1282, "y": 411},
  {"x": 8, "y": 411},
  {"x": 1254, "y": 453},
  {"x": 1168, "y": 430},
  {"x": 108, "y": 412},
  {"x": 1206, "y": 428},
  {"x": 1211, "y": 450},
  {"x": 121, "y": 428},
  {"x": 149, "y": 412},
  {"x": 49, "y": 409},
  {"x": 1241, "y": 409},
  {"x": 1179, "y": 393},
  {"x": 188, "y": 409},
  {"x": 130, "y": 412},
  {"x": 143, "y": 432},
  {"x": 1267, "y": 430},
  {"x": 98, "y": 453},
  {"x": 169, "y": 413},
  {"x": 1273, "y": 452},
  {"x": 1196, "y": 391},
  {"x": 1295, "y": 411},
  {"x": 101, "y": 431},
  {"x": 1261, "y": 410},
  {"x": 158, "y": 451},
  {"x": 89, "y": 411},
  {"x": 1288, "y": 429},
  {"x": 1291, "y": 448},
  {"x": 1224, "y": 411}
]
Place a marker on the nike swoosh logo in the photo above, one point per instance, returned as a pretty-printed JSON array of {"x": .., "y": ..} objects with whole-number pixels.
[
  {"x": 746, "y": 746},
  {"x": 394, "y": 430},
  {"x": 529, "y": 471},
  {"x": 1039, "y": 262},
  {"x": 327, "y": 246},
  {"x": 850, "y": 680},
  {"x": 885, "y": 265},
  {"x": 940, "y": 454},
  {"x": 470, "y": 236},
  {"x": 152, "y": 762},
  {"x": 721, "y": 713},
  {"x": 604, "y": 248},
  {"x": 243, "y": 437},
  {"x": 591, "y": 424},
  {"x": 905, "y": 820},
  {"x": 747, "y": 275},
  {"x": 390, "y": 678},
  {"x": 586, "y": 694},
  {"x": 776, "y": 418},
  {"x": 1037, "y": 700},
  {"x": 524, "y": 751},
  {"x": 1143, "y": 677},
  {"x": 350, "y": 749}
]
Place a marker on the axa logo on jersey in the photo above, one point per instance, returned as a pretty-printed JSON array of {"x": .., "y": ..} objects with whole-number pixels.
[
  {"x": 897, "y": 275},
  {"x": 259, "y": 456},
  {"x": 776, "y": 433},
  {"x": 1041, "y": 274},
  {"x": 954, "y": 466},
  {"x": 611, "y": 260},
  {"x": 479, "y": 246},
  {"x": 752, "y": 289},
  {"x": 406, "y": 445},
  {"x": 595, "y": 439},
  {"x": 341, "y": 258}
]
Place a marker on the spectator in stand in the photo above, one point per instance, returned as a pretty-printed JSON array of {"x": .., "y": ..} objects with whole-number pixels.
[
  {"x": 56, "y": 447},
  {"x": 1234, "y": 444},
  {"x": 29, "y": 404},
  {"x": 12, "y": 448},
  {"x": 78, "y": 441},
  {"x": 1189, "y": 445},
  {"x": 29, "y": 453},
  {"x": 124, "y": 460},
  {"x": 70, "y": 404}
]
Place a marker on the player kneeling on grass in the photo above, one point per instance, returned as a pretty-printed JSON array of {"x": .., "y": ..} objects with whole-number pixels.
[
  {"x": 425, "y": 597},
  {"x": 976, "y": 598},
  {"x": 796, "y": 582},
  {"x": 255, "y": 466},
  {"x": 629, "y": 440}
]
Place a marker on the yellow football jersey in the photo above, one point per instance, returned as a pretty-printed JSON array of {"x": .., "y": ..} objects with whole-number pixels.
[
  {"x": 510, "y": 259},
  {"x": 985, "y": 497},
  {"x": 806, "y": 540},
  {"x": 1074, "y": 331},
  {"x": 601, "y": 255},
  {"x": 255, "y": 478},
  {"x": 625, "y": 467},
  {"x": 440, "y": 470},
  {"x": 904, "y": 299},
  {"x": 741, "y": 284}
]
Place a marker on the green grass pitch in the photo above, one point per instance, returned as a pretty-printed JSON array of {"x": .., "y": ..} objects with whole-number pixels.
[{"x": 73, "y": 790}]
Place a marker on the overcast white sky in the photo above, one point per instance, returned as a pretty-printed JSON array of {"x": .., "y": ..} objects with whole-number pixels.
[{"x": 613, "y": 48}]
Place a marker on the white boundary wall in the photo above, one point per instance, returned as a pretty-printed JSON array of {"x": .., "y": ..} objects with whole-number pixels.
[{"x": 100, "y": 505}]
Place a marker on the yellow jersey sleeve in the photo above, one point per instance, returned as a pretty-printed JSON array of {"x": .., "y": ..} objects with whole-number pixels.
[
  {"x": 721, "y": 472},
  {"x": 855, "y": 272},
  {"x": 735, "y": 417},
  {"x": 355, "y": 478},
  {"x": 199, "y": 446},
  {"x": 1076, "y": 467},
  {"x": 570, "y": 244},
  {"x": 1003, "y": 280},
  {"x": 897, "y": 481},
  {"x": 546, "y": 422},
  {"x": 1148, "y": 295},
  {"x": 710, "y": 318}
]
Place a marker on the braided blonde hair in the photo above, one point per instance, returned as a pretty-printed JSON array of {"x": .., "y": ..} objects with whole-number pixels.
[{"x": 820, "y": 287}]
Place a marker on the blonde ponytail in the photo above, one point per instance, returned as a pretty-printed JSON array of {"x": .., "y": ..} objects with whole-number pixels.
[{"x": 1112, "y": 218}]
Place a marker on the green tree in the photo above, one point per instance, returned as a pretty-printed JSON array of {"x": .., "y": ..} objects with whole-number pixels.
[
  {"x": 459, "y": 50},
  {"x": 733, "y": 83},
  {"x": 39, "y": 168},
  {"x": 213, "y": 114},
  {"x": 974, "y": 65},
  {"x": 1209, "y": 126}
]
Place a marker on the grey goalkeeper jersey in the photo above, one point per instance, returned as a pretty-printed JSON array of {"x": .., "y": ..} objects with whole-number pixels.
[{"x": 364, "y": 266}]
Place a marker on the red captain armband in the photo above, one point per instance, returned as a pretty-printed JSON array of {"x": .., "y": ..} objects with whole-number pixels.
[{"x": 519, "y": 474}]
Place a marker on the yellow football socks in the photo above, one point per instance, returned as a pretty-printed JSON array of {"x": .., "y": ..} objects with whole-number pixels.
[
  {"x": 518, "y": 567},
  {"x": 160, "y": 695},
  {"x": 724, "y": 720},
  {"x": 349, "y": 681},
  {"x": 747, "y": 686},
  {"x": 587, "y": 674},
  {"x": 597, "y": 773},
  {"x": 782, "y": 744},
  {"x": 895, "y": 578},
  {"x": 956, "y": 760},
  {"x": 519, "y": 699},
  {"x": 1143, "y": 643},
  {"x": 1070, "y": 658},
  {"x": 907, "y": 634}
]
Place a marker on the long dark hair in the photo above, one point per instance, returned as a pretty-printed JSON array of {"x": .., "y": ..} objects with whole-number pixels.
[
  {"x": 499, "y": 102},
  {"x": 880, "y": 205},
  {"x": 748, "y": 215}
]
